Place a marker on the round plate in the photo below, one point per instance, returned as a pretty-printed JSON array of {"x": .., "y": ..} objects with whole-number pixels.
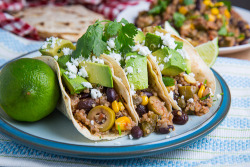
[
  {"x": 57, "y": 134},
  {"x": 132, "y": 12}
]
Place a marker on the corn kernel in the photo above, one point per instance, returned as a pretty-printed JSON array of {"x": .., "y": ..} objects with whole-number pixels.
[
  {"x": 215, "y": 11},
  {"x": 170, "y": 88},
  {"x": 189, "y": 79},
  {"x": 183, "y": 10},
  {"x": 227, "y": 14},
  {"x": 121, "y": 106},
  {"x": 211, "y": 18},
  {"x": 219, "y": 16},
  {"x": 192, "y": 26},
  {"x": 207, "y": 2},
  {"x": 219, "y": 4},
  {"x": 122, "y": 122},
  {"x": 201, "y": 90},
  {"x": 115, "y": 106},
  {"x": 144, "y": 100}
]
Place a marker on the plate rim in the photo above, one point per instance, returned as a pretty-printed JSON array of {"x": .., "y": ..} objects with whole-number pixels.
[{"x": 93, "y": 152}]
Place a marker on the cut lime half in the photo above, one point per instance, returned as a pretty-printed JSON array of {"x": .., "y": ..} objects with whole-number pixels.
[{"x": 209, "y": 51}]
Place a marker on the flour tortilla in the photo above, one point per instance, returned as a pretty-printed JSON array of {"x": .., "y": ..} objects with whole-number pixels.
[
  {"x": 198, "y": 67},
  {"x": 67, "y": 22},
  {"x": 64, "y": 104}
]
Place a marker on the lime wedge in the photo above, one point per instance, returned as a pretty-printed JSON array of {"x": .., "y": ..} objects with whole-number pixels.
[
  {"x": 170, "y": 29},
  {"x": 208, "y": 51}
]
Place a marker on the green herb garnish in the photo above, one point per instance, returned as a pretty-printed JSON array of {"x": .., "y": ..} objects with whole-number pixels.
[
  {"x": 223, "y": 30},
  {"x": 168, "y": 81},
  {"x": 119, "y": 130},
  {"x": 222, "y": 93},
  {"x": 206, "y": 16},
  {"x": 227, "y": 3},
  {"x": 159, "y": 8},
  {"x": 205, "y": 82},
  {"x": 205, "y": 97},
  {"x": 241, "y": 36},
  {"x": 188, "y": 2},
  {"x": 178, "y": 19},
  {"x": 230, "y": 34},
  {"x": 59, "y": 50},
  {"x": 96, "y": 36}
]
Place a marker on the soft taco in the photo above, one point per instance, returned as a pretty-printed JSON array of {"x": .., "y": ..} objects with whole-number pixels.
[
  {"x": 93, "y": 98},
  {"x": 189, "y": 81}
]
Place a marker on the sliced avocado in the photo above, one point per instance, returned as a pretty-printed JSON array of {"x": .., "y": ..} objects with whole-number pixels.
[
  {"x": 188, "y": 64},
  {"x": 153, "y": 42},
  {"x": 175, "y": 65},
  {"x": 74, "y": 85},
  {"x": 139, "y": 76},
  {"x": 98, "y": 73},
  {"x": 168, "y": 81},
  {"x": 63, "y": 60},
  {"x": 57, "y": 50},
  {"x": 179, "y": 44},
  {"x": 140, "y": 37}
]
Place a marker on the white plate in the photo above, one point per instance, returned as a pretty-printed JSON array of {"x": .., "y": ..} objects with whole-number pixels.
[{"x": 132, "y": 12}]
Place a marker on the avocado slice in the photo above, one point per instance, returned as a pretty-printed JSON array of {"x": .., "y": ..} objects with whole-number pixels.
[
  {"x": 74, "y": 85},
  {"x": 175, "y": 65},
  {"x": 98, "y": 73},
  {"x": 57, "y": 50},
  {"x": 63, "y": 60},
  {"x": 153, "y": 42},
  {"x": 140, "y": 37},
  {"x": 179, "y": 44},
  {"x": 139, "y": 76}
]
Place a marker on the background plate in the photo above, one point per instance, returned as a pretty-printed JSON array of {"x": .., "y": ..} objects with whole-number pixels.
[
  {"x": 132, "y": 12},
  {"x": 57, "y": 134}
]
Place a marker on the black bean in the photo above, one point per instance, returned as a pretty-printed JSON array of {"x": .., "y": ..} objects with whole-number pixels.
[
  {"x": 241, "y": 25},
  {"x": 149, "y": 94},
  {"x": 141, "y": 110},
  {"x": 198, "y": 5},
  {"x": 86, "y": 104},
  {"x": 111, "y": 94},
  {"x": 165, "y": 130},
  {"x": 246, "y": 41},
  {"x": 84, "y": 95},
  {"x": 179, "y": 118},
  {"x": 136, "y": 132}
]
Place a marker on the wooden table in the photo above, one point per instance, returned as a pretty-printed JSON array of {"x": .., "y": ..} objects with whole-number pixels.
[{"x": 239, "y": 55}]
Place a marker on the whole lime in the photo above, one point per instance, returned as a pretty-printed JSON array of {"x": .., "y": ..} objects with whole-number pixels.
[{"x": 29, "y": 89}]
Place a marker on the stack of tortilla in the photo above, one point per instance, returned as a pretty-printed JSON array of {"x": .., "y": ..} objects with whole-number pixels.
[{"x": 67, "y": 22}]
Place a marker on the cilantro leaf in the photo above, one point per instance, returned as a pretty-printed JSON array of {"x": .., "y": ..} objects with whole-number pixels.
[
  {"x": 205, "y": 82},
  {"x": 159, "y": 8},
  {"x": 124, "y": 21},
  {"x": 227, "y": 4},
  {"x": 119, "y": 130},
  {"x": 113, "y": 28},
  {"x": 205, "y": 97},
  {"x": 188, "y": 2},
  {"x": 178, "y": 19},
  {"x": 223, "y": 31},
  {"x": 206, "y": 16}
]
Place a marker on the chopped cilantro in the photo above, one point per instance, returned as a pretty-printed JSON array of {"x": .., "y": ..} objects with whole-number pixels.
[
  {"x": 241, "y": 36},
  {"x": 205, "y": 97},
  {"x": 205, "y": 82},
  {"x": 222, "y": 93},
  {"x": 178, "y": 19},
  {"x": 223, "y": 31},
  {"x": 119, "y": 130},
  {"x": 168, "y": 81},
  {"x": 159, "y": 8},
  {"x": 230, "y": 34},
  {"x": 188, "y": 2},
  {"x": 206, "y": 16},
  {"x": 59, "y": 50},
  {"x": 227, "y": 3}
]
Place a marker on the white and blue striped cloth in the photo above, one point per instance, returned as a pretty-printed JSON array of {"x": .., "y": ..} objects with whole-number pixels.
[{"x": 227, "y": 145}]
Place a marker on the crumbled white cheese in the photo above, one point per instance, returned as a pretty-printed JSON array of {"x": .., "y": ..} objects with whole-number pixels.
[
  {"x": 166, "y": 59},
  {"x": 171, "y": 94},
  {"x": 70, "y": 74},
  {"x": 218, "y": 96},
  {"x": 161, "y": 66},
  {"x": 108, "y": 48},
  {"x": 97, "y": 60},
  {"x": 67, "y": 51},
  {"x": 87, "y": 85},
  {"x": 71, "y": 67},
  {"x": 56, "y": 57},
  {"x": 129, "y": 70},
  {"x": 111, "y": 42},
  {"x": 92, "y": 122},
  {"x": 45, "y": 45},
  {"x": 59, "y": 42},
  {"x": 162, "y": 46},
  {"x": 191, "y": 100},
  {"x": 183, "y": 53},
  {"x": 75, "y": 62},
  {"x": 117, "y": 57},
  {"x": 138, "y": 70},
  {"x": 154, "y": 58},
  {"x": 142, "y": 50},
  {"x": 132, "y": 89},
  {"x": 95, "y": 93},
  {"x": 182, "y": 97},
  {"x": 82, "y": 72},
  {"x": 130, "y": 137},
  {"x": 167, "y": 40},
  {"x": 191, "y": 74},
  {"x": 210, "y": 91},
  {"x": 139, "y": 29},
  {"x": 129, "y": 57},
  {"x": 50, "y": 43}
]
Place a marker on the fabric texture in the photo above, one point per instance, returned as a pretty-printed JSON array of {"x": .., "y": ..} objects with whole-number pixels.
[{"x": 227, "y": 145}]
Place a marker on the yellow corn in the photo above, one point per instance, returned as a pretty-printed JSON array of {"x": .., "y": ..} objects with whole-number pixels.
[
  {"x": 192, "y": 26},
  {"x": 170, "y": 88},
  {"x": 189, "y": 79},
  {"x": 183, "y": 10},
  {"x": 211, "y": 18},
  {"x": 115, "y": 106},
  {"x": 219, "y": 4},
  {"x": 219, "y": 16},
  {"x": 121, "y": 106},
  {"x": 207, "y": 2},
  {"x": 202, "y": 89},
  {"x": 227, "y": 14},
  {"x": 122, "y": 122},
  {"x": 144, "y": 100},
  {"x": 215, "y": 11}
]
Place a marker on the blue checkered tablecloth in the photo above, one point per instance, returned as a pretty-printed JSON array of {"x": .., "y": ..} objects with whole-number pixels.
[{"x": 227, "y": 145}]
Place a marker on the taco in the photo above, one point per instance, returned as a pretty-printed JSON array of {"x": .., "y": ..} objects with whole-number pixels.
[{"x": 93, "y": 98}]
